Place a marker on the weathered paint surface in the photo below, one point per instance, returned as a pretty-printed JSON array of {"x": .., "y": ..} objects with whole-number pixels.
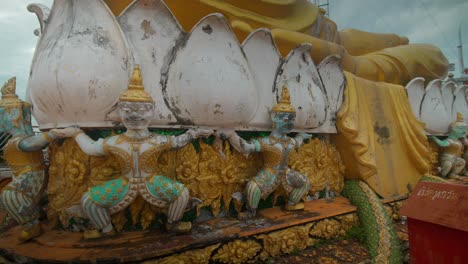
[
  {"x": 415, "y": 91},
  {"x": 334, "y": 83},
  {"x": 460, "y": 103},
  {"x": 80, "y": 65},
  {"x": 298, "y": 72},
  {"x": 437, "y": 104},
  {"x": 152, "y": 33},
  {"x": 209, "y": 81},
  {"x": 264, "y": 59},
  {"x": 201, "y": 78}
]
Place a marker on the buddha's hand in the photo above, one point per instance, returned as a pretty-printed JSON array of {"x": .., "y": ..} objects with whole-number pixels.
[
  {"x": 65, "y": 132},
  {"x": 200, "y": 132}
]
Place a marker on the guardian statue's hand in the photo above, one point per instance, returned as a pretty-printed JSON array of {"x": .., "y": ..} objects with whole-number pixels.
[{"x": 65, "y": 132}]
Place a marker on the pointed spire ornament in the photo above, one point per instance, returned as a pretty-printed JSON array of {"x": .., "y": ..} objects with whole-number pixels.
[
  {"x": 460, "y": 121},
  {"x": 9, "y": 97},
  {"x": 284, "y": 105},
  {"x": 136, "y": 92}
]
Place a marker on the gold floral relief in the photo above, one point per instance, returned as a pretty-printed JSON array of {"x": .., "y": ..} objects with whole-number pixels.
[
  {"x": 433, "y": 158},
  {"x": 238, "y": 251},
  {"x": 393, "y": 209},
  {"x": 104, "y": 169},
  {"x": 68, "y": 174},
  {"x": 348, "y": 221},
  {"x": 197, "y": 256},
  {"x": 167, "y": 164},
  {"x": 285, "y": 241},
  {"x": 328, "y": 228},
  {"x": 237, "y": 170},
  {"x": 118, "y": 220},
  {"x": 321, "y": 163},
  {"x": 187, "y": 167},
  {"x": 209, "y": 182}
]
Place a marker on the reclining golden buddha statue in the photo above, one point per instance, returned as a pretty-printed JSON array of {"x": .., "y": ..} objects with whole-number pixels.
[{"x": 373, "y": 56}]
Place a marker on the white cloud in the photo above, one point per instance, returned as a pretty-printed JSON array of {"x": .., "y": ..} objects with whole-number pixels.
[{"x": 17, "y": 41}]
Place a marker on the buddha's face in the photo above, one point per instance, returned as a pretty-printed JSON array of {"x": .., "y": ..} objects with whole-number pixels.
[
  {"x": 283, "y": 121},
  {"x": 136, "y": 115}
]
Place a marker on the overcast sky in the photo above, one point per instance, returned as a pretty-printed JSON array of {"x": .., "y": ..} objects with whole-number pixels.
[{"x": 422, "y": 21}]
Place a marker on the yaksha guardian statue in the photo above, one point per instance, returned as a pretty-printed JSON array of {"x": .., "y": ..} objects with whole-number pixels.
[
  {"x": 22, "y": 152},
  {"x": 275, "y": 150},
  {"x": 137, "y": 150},
  {"x": 452, "y": 147}
]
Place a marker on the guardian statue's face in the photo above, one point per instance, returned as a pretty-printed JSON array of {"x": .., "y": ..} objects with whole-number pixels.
[
  {"x": 283, "y": 121},
  {"x": 136, "y": 115},
  {"x": 14, "y": 118},
  {"x": 459, "y": 130}
]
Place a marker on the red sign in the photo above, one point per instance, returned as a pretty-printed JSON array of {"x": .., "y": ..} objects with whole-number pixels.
[{"x": 439, "y": 203}]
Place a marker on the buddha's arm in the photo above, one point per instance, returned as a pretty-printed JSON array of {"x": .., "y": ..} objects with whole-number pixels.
[{"x": 37, "y": 142}]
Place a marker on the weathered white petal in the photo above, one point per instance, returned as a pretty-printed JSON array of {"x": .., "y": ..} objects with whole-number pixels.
[
  {"x": 415, "y": 90},
  {"x": 460, "y": 103},
  {"x": 264, "y": 59},
  {"x": 42, "y": 12},
  {"x": 152, "y": 33},
  {"x": 81, "y": 65},
  {"x": 433, "y": 110},
  {"x": 334, "y": 81},
  {"x": 209, "y": 81},
  {"x": 298, "y": 72},
  {"x": 448, "y": 95}
]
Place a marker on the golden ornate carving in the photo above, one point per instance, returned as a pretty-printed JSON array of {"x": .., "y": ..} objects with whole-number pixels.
[
  {"x": 236, "y": 172},
  {"x": 433, "y": 157},
  {"x": 213, "y": 174},
  {"x": 238, "y": 251},
  {"x": 136, "y": 92},
  {"x": 321, "y": 163},
  {"x": 118, "y": 220},
  {"x": 68, "y": 174},
  {"x": 104, "y": 169},
  {"x": 209, "y": 188},
  {"x": 286, "y": 241},
  {"x": 197, "y": 256},
  {"x": 328, "y": 228},
  {"x": 149, "y": 159},
  {"x": 347, "y": 221},
  {"x": 284, "y": 104},
  {"x": 187, "y": 167}
]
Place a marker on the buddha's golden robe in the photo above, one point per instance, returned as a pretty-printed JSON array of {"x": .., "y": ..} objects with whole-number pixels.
[
  {"x": 377, "y": 57},
  {"x": 380, "y": 140}
]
